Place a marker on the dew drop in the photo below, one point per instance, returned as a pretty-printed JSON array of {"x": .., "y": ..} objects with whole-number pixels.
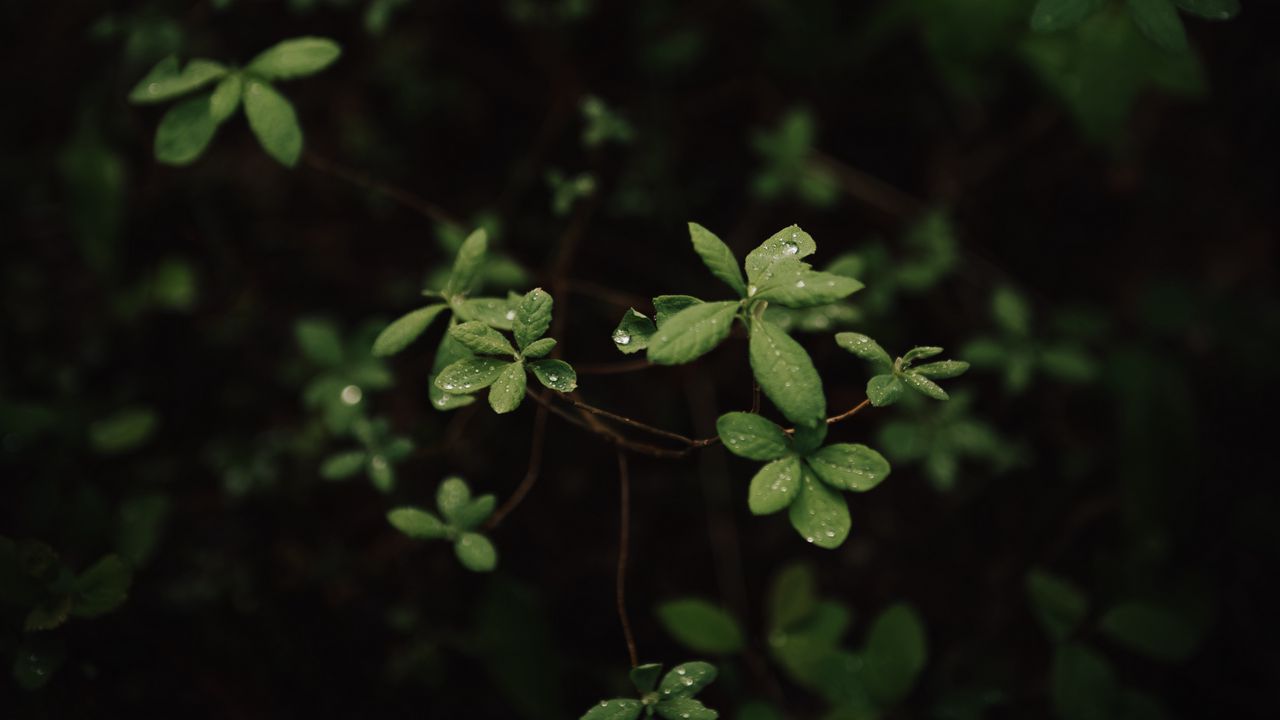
[
  {"x": 622, "y": 338},
  {"x": 351, "y": 394},
  {"x": 790, "y": 248},
  {"x": 799, "y": 283},
  {"x": 153, "y": 88},
  {"x": 511, "y": 315}
]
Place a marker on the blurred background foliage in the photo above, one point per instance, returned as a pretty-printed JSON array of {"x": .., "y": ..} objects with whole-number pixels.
[{"x": 189, "y": 409}]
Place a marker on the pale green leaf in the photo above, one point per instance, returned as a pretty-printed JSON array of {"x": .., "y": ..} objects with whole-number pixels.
[
  {"x": 807, "y": 288},
  {"x": 494, "y": 312},
  {"x": 667, "y": 306},
  {"x": 820, "y": 514},
  {"x": 685, "y": 708},
  {"x": 786, "y": 374},
  {"x": 692, "y": 332},
  {"x": 102, "y": 588},
  {"x": 467, "y": 263},
  {"x": 452, "y": 495},
  {"x": 295, "y": 58},
  {"x": 475, "y": 552},
  {"x": 701, "y": 627},
  {"x": 849, "y": 466},
  {"x": 533, "y": 317},
  {"x": 941, "y": 370},
  {"x": 539, "y": 348},
  {"x": 508, "y": 390},
  {"x": 865, "y": 348},
  {"x": 617, "y": 709},
  {"x": 418, "y": 524},
  {"x": 555, "y": 374},
  {"x": 775, "y": 486},
  {"x": 382, "y": 474},
  {"x": 185, "y": 131},
  {"x": 226, "y": 97},
  {"x": 480, "y": 338},
  {"x": 717, "y": 257},
  {"x": 471, "y": 514},
  {"x": 343, "y": 465},
  {"x": 1159, "y": 21},
  {"x": 921, "y": 353},
  {"x": 470, "y": 374},
  {"x": 273, "y": 121},
  {"x": 165, "y": 81},
  {"x": 1054, "y": 15},
  {"x": 633, "y": 332},
  {"x": 924, "y": 385},
  {"x": 750, "y": 436},
  {"x": 884, "y": 390},
  {"x": 789, "y": 243},
  {"x": 686, "y": 679},
  {"x": 396, "y": 336}
]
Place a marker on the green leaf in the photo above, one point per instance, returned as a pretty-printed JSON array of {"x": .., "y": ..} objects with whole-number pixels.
[
  {"x": 295, "y": 58},
  {"x": 475, "y": 552},
  {"x": 396, "y": 336},
  {"x": 452, "y": 495},
  {"x": 701, "y": 627},
  {"x": 555, "y": 374},
  {"x": 448, "y": 352},
  {"x": 807, "y": 288},
  {"x": 1083, "y": 685},
  {"x": 343, "y": 465},
  {"x": 494, "y": 312},
  {"x": 617, "y": 709},
  {"x": 124, "y": 430},
  {"x": 226, "y": 97},
  {"x": 807, "y": 438},
  {"x": 467, "y": 264},
  {"x": 533, "y": 317},
  {"x": 381, "y": 474},
  {"x": 32, "y": 668},
  {"x": 185, "y": 131},
  {"x": 1059, "y": 606},
  {"x": 470, "y": 515},
  {"x": 480, "y": 338},
  {"x": 667, "y": 306},
  {"x": 633, "y": 332},
  {"x": 319, "y": 342},
  {"x": 895, "y": 653},
  {"x": 471, "y": 374},
  {"x": 1154, "y": 631},
  {"x": 775, "y": 486},
  {"x": 786, "y": 374},
  {"x": 789, "y": 243},
  {"x": 849, "y": 466},
  {"x": 1011, "y": 311},
  {"x": 923, "y": 385},
  {"x": 48, "y": 615},
  {"x": 820, "y": 514},
  {"x": 102, "y": 588},
  {"x": 539, "y": 348},
  {"x": 165, "y": 82},
  {"x": 1068, "y": 364},
  {"x": 941, "y": 370},
  {"x": 793, "y": 597},
  {"x": 718, "y": 258},
  {"x": 865, "y": 348},
  {"x": 273, "y": 121},
  {"x": 141, "y": 527},
  {"x": 508, "y": 389},
  {"x": 417, "y": 524},
  {"x": 686, "y": 680},
  {"x": 692, "y": 332},
  {"x": 1159, "y": 21},
  {"x": 645, "y": 677},
  {"x": 1054, "y": 15},
  {"x": 1211, "y": 9},
  {"x": 750, "y": 436},
  {"x": 685, "y": 708},
  {"x": 920, "y": 353}
]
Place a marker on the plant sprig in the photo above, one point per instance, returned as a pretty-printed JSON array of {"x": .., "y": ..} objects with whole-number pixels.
[{"x": 461, "y": 514}]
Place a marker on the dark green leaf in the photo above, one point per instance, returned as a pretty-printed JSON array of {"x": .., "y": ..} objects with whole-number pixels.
[
  {"x": 1011, "y": 311},
  {"x": 865, "y": 348},
  {"x": 494, "y": 312},
  {"x": 343, "y": 465},
  {"x": 645, "y": 677},
  {"x": 633, "y": 332},
  {"x": 102, "y": 588},
  {"x": 792, "y": 597},
  {"x": 48, "y": 615},
  {"x": 470, "y": 515},
  {"x": 921, "y": 353},
  {"x": 396, "y": 336},
  {"x": 895, "y": 653},
  {"x": 718, "y": 258},
  {"x": 807, "y": 288},
  {"x": 555, "y": 374},
  {"x": 295, "y": 58},
  {"x": 226, "y": 97},
  {"x": 480, "y": 338},
  {"x": 319, "y": 342},
  {"x": 617, "y": 709},
  {"x": 786, "y": 374},
  {"x": 807, "y": 438},
  {"x": 666, "y": 306},
  {"x": 686, "y": 680},
  {"x": 692, "y": 332},
  {"x": 1155, "y": 631},
  {"x": 273, "y": 121},
  {"x": 941, "y": 370},
  {"x": 508, "y": 390},
  {"x": 789, "y": 243},
  {"x": 166, "y": 82},
  {"x": 1211, "y": 9},
  {"x": 750, "y": 436},
  {"x": 820, "y": 514},
  {"x": 418, "y": 524},
  {"x": 533, "y": 317},
  {"x": 185, "y": 131},
  {"x": 774, "y": 486},
  {"x": 923, "y": 385},
  {"x": 1083, "y": 685},
  {"x": 475, "y": 552},
  {"x": 1059, "y": 606},
  {"x": 701, "y": 627},
  {"x": 448, "y": 352},
  {"x": 685, "y": 708},
  {"x": 1159, "y": 21},
  {"x": 471, "y": 374},
  {"x": 539, "y": 348},
  {"x": 467, "y": 264},
  {"x": 1054, "y": 15},
  {"x": 849, "y": 466},
  {"x": 123, "y": 431}
]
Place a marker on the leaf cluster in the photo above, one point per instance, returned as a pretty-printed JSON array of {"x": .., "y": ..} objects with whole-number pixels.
[{"x": 460, "y": 516}]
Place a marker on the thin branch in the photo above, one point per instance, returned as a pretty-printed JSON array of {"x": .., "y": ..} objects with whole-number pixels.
[
  {"x": 427, "y": 209},
  {"x": 617, "y": 368},
  {"x": 677, "y": 437},
  {"x": 871, "y": 190},
  {"x": 849, "y": 413},
  {"x": 624, "y": 544},
  {"x": 531, "y": 474}
]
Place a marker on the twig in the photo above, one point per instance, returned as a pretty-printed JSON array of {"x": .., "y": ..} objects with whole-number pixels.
[
  {"x": 849, "y": 413},
  {"x": 871, "y": 190},
  {"x": 624, "y": 543},
  {"x": 617, "y": 368},
  {"x": 688, "y": 441},
  {"x": 531, "y": 474},
  {"x": 427, "y": 209}
]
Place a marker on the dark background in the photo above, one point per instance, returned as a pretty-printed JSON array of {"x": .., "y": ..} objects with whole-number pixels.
[{"x": 272, "y": 593}]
